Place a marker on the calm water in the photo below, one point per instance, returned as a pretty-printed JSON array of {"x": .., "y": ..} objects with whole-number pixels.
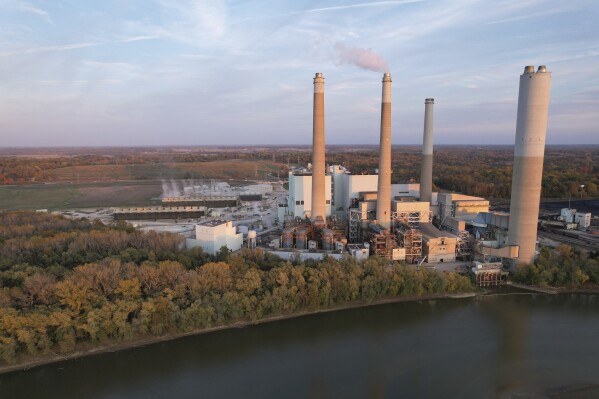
[{"x": 459, "y": 348}]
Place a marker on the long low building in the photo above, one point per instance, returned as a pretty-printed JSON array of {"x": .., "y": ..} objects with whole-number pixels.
[
  {"x": 212, "y": 201},
  {"x": 159, "y": 212}
]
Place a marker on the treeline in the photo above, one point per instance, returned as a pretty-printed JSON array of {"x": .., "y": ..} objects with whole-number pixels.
[
  {"x": 22, "y": 169},
  {"x": 486, "y": 171},
  {"x": 561, "y": 267},
  {"x": 50, "y": 241},
  {"x": 480, "y": 171},
  {"x": 55, "y": 307}
]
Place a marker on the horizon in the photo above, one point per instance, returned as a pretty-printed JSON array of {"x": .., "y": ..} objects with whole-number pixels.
[
  {"x": 114, "y": 74},
  {"x": 258, "y": 146}
]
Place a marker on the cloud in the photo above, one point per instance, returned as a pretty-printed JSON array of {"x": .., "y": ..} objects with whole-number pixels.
[
  {"x": 24, "y": 6},
  {"x": 72, "y": 46},
  {"x": 363, "y": 58},
  {"x": 139, "y": 38},
  {"x": 43, "y": 49},
  {"x": 361, "y": 5}
]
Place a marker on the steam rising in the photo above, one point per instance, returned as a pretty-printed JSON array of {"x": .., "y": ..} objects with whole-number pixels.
[{"x": 363, "y": 58}]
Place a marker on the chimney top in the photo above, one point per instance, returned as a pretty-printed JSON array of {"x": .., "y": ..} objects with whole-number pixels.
[
  {"x": 542, "y": 68},
  {"x": 529, "y": 69},
  {"x": 429, "y": 101}
]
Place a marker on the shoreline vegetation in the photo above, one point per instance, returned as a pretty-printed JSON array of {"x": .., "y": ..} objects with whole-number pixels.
[
  {"x": 71, "y": 284},
  {"x": 52, "y": 357}
]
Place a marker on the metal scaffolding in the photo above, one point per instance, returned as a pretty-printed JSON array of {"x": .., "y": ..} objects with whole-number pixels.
[
  {"x": 356, "y": 218},
  {"x": 463, "y": 248},
  {"x": 411, "y": 239},
  {"x": 382, "y": 244},
  {"x": 412, "y": 219}
]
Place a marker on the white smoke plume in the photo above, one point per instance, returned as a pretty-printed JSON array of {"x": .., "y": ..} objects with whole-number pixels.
[
  {"x": 363, "y": 58},
  {"x": 170, "y": 188}
]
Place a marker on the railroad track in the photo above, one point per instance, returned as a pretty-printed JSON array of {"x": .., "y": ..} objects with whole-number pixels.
[{"x": 572, "y": 241}]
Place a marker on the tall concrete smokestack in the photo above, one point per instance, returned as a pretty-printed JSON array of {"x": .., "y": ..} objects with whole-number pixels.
[
  {"x": 319, "y": 209},
  {"x": 383, "y": 202},
  {"x": 531, "y": 129},
  {"x": 426, "y": 173}
]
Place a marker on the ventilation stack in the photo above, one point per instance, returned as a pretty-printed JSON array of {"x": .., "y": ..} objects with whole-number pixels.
[
  {"x": 319, "y": 208},
  {"x": 531, "y": 129},
  {"x": 426, "y": 173},
  {"x": 383, "y": 202}
]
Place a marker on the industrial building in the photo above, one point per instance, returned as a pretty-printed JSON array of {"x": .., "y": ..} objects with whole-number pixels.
[
  {"x": 212, "y": 235},
  {"x": 159, "y": 212},
  {"x": 299, "y": 202},
  {"x": 438, "y": 246},
  {"x": 212, "y": 201}
]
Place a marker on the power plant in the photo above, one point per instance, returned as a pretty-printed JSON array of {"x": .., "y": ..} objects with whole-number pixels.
[
  {"x": 329, "y": 210},
  {"x": 410, "y": 222}
]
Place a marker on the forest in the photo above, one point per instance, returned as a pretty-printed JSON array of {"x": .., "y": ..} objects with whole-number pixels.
[
  {"x": 67, "y": 284},
  {"x": 563, "y": 267},
  {"x": 475, "y": 170}
]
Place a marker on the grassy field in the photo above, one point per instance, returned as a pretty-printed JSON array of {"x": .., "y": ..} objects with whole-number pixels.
[
  {"x": 230, "y": 169},
  {"x": 63, "y": 196},
  {"x": 124, "y": 185}
]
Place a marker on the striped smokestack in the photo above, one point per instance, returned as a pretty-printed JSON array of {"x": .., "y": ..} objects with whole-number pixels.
[
  {"x": 318, "y": 185},
  {"x": 426, "y": 173},
  {"x": 529, "y": 151},
  {"x": 383, "y": 202}
]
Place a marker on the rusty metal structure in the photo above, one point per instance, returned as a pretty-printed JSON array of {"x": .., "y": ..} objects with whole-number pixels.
[{"x": 410, "y": 238}]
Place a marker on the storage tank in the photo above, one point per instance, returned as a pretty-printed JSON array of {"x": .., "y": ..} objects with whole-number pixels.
[
  {"x": 287, "y": 238},
  {"x": 328, "y": 239},
  {"x": 252, "y": 239},
  {"x": 301, "y": 238}
]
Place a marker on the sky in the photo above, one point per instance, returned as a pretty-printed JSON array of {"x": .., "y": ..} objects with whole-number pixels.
[{"x": 212, "y": 72}]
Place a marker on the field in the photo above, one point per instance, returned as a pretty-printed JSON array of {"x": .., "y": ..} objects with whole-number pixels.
[
  {"x": 122, "y": 184},
  {"x": 226, "y": 169},
  {"x": 62, "y": 196}
]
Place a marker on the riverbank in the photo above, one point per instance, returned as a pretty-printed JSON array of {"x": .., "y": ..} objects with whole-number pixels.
[
  {"x": 554, "y": 290},
  {"x": 32, "y": 361}
]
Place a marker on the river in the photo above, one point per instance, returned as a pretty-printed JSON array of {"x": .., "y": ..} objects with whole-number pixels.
[{"x": 526, "y": 345}]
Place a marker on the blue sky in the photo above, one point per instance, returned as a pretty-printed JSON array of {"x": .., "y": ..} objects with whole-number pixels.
[{"x": 195, "y": 72}]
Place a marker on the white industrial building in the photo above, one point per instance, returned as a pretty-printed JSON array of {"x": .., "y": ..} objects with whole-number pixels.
[
  {"x": 212, "y": 235},
  {"x": 583, "y": 220},
  {"x": 299, "y": 203},
  {"x": 455, "y": 210},
  {"x": 341, "y": 187}
]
